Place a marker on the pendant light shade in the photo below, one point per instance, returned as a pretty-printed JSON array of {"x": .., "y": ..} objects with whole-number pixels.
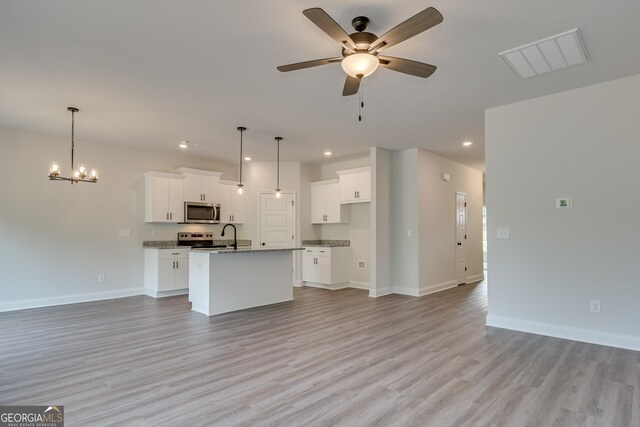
[
  {"x": 79, "y": 174},
  {"x": 240, "y": 184},
  {"x": 278, "y": 190}
]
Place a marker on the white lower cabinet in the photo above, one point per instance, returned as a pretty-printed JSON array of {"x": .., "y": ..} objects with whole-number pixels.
[
  {"x": 325, "y": 267},
  {"x": 166, "y": 272}
]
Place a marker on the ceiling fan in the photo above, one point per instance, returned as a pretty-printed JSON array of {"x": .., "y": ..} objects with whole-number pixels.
[{"x": 361, "y": 50}]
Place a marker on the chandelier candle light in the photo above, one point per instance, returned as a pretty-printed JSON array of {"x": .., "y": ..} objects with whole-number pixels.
[
  {"x": 240, "y": 184},
  {"x": 278, "y": 190},
  {"x": 78, "y": 175}
]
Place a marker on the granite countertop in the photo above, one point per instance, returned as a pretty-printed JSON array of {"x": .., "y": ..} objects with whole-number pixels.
[
  {"x": 173, "y": 244},
  {"x": 241, "y": 249},
  {"x": 326, "y": 243}
]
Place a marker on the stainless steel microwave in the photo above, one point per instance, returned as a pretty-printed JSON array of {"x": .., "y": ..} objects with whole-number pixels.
[{"x": 201, "y": 213}]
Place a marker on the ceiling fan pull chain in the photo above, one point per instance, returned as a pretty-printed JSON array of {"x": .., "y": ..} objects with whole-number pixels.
[{"x": 361, "y": 101}]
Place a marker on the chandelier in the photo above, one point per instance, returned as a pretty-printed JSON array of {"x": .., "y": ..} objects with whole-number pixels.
[{"x": 79, "y": 174}]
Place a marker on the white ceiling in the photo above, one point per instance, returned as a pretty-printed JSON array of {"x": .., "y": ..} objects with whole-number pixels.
[{"x": 151, "y": 72}]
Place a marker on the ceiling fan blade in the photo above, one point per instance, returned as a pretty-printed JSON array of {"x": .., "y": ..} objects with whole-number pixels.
[
  {"x": 351, "y": 86},
  {"x": 409, "y": 28},
  {"x": 308, "y": 64},
  {"x": 329, "y": 26},
  {"x": 407, "y": 66}
]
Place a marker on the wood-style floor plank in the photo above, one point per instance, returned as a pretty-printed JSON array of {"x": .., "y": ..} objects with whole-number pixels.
[{"x": 327, "y": 358}]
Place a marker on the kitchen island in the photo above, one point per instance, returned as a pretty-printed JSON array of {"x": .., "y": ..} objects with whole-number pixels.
[{"x": 224, "y": 280}]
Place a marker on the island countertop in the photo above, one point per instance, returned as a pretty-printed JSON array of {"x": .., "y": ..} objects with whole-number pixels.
[{"x": 242, "y": 249}]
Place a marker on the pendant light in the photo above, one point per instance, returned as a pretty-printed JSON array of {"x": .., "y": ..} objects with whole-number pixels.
[
  {"x": 278, "y": 190},
  {"x": 78, "y": 175},
  {"x": 240, "y": 184}
]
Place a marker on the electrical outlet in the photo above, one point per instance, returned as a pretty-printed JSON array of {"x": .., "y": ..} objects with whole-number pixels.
[
  {"x": 409, "y": 233},
  {"x": 595, "y": 306},
  {"x": 362, "y": 264},
  {"x": 154, "y": 232},
  {"x": 433, "y": 274},
  {"x": 101, "y": 278},
  {"x": 124, "y": 232}
]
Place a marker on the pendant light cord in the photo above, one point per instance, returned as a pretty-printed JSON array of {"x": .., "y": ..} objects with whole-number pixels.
[
  {"x": 241, "y": 132},
  {"x": 278, "y": 139},
  {"x": 73, "y": 113}
]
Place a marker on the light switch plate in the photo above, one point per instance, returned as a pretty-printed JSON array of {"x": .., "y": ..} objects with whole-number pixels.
[
  {"x": 503, "y": 233},
  {"x": 124, "y": 232}
]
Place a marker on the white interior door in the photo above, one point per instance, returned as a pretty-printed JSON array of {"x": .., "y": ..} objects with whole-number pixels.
[
  {"x": 277, "y": 228},
  {"x": 461, "y": 237}
]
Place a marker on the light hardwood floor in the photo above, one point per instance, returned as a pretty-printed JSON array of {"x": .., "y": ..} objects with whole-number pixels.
[{"x": 327, "y": 358}]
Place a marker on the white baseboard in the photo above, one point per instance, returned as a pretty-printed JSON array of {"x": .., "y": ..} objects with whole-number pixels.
[
  {"x": 412, "y": 292},
  {"x": 69, "y": 299},
  {"x": 437, "y": 287},
  {"x": 163, "y": 294},
  {"x": 475, "y": 278},
  {"x": 359, "y": 285},
  {"x": 298, "y": 284},
  {"x": 379, "y": 292},
  {"x": 330, "y": 287},
  {"x": 591, "y": 336}
]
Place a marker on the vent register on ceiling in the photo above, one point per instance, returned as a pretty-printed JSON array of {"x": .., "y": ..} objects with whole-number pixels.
[{"x": 549, "y": 54}]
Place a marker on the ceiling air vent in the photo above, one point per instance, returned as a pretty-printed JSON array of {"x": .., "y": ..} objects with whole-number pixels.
[{"x": 550, "y": 54}]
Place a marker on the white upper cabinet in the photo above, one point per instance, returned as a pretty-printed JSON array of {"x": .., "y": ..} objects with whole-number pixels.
[
  {"x": 232, "y": 204},
  {"x": 325, "y": 203},
  {"x": 201, "y": 186},
  {"x": 355, "y": 185},
  {"x": 163, "y": 197}
]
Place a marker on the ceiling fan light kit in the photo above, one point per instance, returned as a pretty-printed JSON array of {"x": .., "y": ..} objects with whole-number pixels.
[
  {"x": 360, "y": 65},
  {"x": 360, "y": 50}
]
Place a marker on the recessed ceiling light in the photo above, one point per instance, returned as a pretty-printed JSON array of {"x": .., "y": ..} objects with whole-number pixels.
[
  {"x": 467, "y": 143},
  {"x": 247, "y": 159},
  {"x": 328, "y": 153},
  {"x": 184, "y": 144}
]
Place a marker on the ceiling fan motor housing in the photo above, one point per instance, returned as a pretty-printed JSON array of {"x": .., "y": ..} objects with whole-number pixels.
[{"x": 363, "y": 39}]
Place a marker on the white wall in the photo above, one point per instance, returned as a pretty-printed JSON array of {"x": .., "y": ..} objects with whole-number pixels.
[
  {"x": 405, "y": 196},
  {"x": 381, "y": 264},
  {"x": 438, "y": 240},
  {"x": 56, "y": 238},
  {"x": 581, "y": 144},
  {"x": 423, "y": 222}
]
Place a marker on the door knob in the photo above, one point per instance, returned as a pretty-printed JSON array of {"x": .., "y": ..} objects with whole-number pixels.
[{"x": 262, "y": 243}]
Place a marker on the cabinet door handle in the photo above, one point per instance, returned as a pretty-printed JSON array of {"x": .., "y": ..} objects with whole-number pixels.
[
  {"x": 177, "y": 264},
  {"x": 171, "y": 215}
]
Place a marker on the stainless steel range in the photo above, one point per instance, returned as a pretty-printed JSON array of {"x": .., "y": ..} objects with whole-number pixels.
[{"x": 198, "y": 240}]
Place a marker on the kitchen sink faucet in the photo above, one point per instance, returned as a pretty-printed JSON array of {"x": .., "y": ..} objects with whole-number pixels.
[{"x": 235, "y": 239}]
